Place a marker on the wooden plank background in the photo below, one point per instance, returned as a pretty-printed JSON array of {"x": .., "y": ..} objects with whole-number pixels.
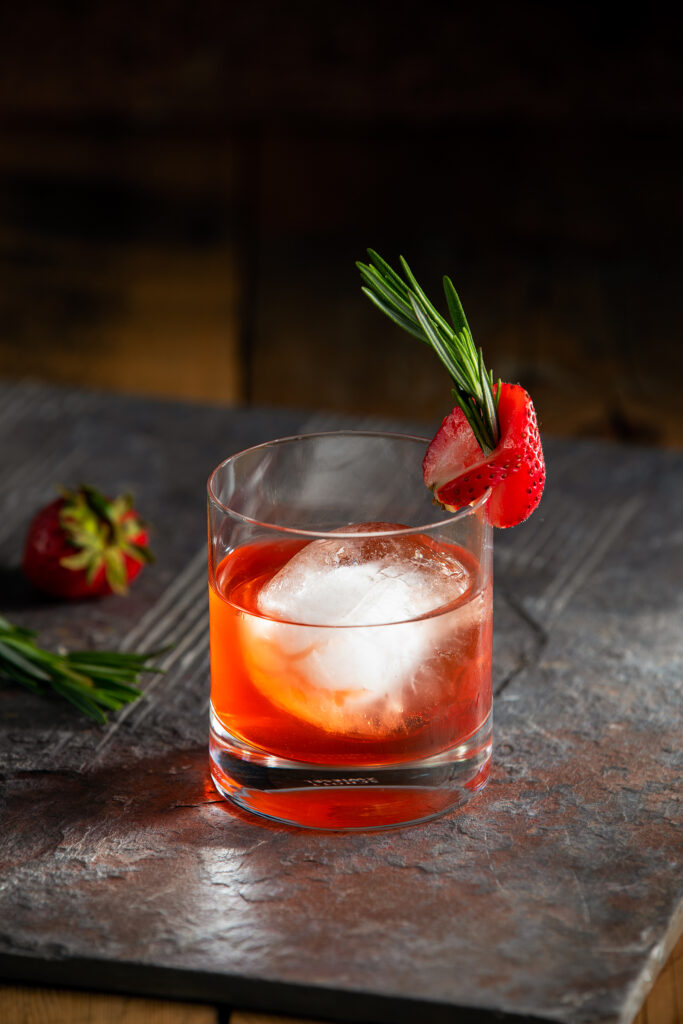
[{"x": 181, "y": 205}]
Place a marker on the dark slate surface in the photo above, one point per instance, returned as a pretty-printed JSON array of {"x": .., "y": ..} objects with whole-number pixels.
[{"x": 554, "y": 895}]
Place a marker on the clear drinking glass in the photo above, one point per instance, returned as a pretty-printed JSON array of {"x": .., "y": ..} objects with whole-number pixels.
[{"x": 350, "y": 634}]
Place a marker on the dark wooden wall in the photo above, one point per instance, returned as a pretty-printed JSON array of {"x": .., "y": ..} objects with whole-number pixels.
[{"x": 184, "y": 189}]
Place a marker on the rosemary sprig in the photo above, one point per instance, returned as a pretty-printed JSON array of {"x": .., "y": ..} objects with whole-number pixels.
[
  {"x": 90, "y": 680},
  {"x": 404, "y": 302}
]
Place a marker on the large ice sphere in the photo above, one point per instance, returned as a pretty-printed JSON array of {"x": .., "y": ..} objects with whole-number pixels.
[
  {"x": 364, "y": 582},
  {"x": 355, "y": 634}
]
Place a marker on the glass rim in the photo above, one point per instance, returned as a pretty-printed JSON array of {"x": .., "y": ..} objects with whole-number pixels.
[{"x": 454, "y": 517}]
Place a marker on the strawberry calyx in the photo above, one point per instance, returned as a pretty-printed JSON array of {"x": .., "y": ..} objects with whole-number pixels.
[{"x": 103, "y": 534}]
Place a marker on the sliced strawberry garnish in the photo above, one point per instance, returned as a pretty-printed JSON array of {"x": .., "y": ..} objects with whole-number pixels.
[{"x": 458, "y": 471}]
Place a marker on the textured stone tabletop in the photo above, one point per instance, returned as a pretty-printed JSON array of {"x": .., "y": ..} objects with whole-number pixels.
[{"x": 554, "y": 895}]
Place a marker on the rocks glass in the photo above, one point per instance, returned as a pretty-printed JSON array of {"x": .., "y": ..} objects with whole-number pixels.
[{"x": 350, "y": 634}]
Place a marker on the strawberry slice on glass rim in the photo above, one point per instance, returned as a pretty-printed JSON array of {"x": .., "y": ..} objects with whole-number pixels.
[{"x": 458, "y": 472}]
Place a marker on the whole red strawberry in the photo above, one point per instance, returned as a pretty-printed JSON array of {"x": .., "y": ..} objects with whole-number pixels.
[{"x": 84, "y": 545}]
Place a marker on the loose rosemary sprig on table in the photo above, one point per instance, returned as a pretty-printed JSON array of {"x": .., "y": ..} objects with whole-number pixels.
[
  {"x": 90, "y": 680},
  {"x": 406, "y": 304}
]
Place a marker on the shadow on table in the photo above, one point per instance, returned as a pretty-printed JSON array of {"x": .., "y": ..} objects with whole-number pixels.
[{"x": 17, "y": 594}]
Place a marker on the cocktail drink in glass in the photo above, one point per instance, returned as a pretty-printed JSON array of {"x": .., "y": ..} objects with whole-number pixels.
[{"x": 350, "y": 634}]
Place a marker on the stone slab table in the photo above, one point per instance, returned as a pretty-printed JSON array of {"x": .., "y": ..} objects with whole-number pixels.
[{"x": 553, "y": 896}]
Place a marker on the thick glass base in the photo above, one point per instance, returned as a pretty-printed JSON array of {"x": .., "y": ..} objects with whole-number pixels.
[{"x": 348, "y": 797}]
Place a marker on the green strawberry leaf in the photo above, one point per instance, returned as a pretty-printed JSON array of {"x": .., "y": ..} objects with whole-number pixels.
[
  {"x": 115, "y": 570},
  {"x": 81, "y": 560}
]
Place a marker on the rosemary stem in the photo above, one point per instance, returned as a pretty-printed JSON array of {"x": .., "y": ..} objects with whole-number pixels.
[{"x": 404, "y": 301}]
